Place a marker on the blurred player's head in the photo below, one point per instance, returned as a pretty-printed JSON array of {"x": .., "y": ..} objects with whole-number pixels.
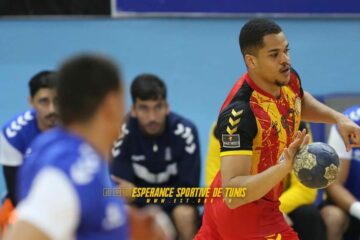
[
  {"x": 148, "y": 93},
  {"x": 90, "y": 93},
  {"x": 43, "y": 99},
  {"x": 266, "y": 51}
]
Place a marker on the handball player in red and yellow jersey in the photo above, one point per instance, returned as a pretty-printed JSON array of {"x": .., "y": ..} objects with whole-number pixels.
[{"x": 257, "y": 130}]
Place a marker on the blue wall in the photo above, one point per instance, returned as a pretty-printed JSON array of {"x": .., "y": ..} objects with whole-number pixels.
[{"x": 198, "y": 58}]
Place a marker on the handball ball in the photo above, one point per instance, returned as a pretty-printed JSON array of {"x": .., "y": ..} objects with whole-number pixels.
[{"x": 316, "y": 165}]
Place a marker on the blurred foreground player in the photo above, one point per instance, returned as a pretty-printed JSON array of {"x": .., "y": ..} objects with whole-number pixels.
[
  {"x": 257, "y": 129},
  {"x": 61, "y": 182}
]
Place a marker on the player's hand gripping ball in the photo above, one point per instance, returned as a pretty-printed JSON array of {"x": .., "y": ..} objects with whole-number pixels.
[{"x": 316, "y": 165}]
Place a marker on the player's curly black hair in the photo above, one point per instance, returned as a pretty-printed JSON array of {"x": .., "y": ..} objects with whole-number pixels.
[{"x": 252, "y": 34}]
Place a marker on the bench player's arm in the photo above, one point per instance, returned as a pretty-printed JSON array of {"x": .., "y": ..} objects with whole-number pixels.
[{"x": 10, "y": 175}]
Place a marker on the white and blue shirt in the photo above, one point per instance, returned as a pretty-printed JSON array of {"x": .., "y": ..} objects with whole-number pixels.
[
  {"x": 353, "y": 180},
  {"x": 16, "y": 136},
  {"x": 60, "y": 186}
]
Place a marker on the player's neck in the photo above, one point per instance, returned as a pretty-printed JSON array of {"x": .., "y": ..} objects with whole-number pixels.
[
  {"x": 95, "y": 135},
  {"x": 264, "y": 85}
]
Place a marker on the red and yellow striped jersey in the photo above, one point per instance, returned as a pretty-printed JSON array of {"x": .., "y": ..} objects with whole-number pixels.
[{"x": 253, "y": 122}]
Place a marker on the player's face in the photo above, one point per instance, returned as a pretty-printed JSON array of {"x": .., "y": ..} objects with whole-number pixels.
[
  {"x": 273, "y": 60},
  {"x": 151, "y": 115},
  {"x": 45, "y": 103}
]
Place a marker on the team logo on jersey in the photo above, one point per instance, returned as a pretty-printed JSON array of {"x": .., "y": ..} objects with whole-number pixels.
[{"x": 230, "y": 140}]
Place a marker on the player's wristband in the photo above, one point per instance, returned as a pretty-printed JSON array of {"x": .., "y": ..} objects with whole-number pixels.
[{"x": 355, "y": 210}]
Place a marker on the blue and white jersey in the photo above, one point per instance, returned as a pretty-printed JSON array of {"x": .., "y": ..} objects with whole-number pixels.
[
  {"x": 16, "y": 136},
  {"x": 60, "y": 188},
  {"x": 353, "y": 181}
]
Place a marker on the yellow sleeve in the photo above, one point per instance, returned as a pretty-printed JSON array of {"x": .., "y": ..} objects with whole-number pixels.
[
  {"x": 212, "y": 165},
  {"x": 296, "y": 195}
]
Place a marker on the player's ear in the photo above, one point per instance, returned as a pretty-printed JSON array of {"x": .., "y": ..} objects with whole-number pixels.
[{"x": 250, "y": 61}]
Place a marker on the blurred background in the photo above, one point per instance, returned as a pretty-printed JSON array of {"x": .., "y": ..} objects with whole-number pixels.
[{"x": 191, "y": 45}]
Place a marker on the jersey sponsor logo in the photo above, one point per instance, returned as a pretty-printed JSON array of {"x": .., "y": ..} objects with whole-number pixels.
[
  {"x": 83, "y": 170},
  {"x": 231, "y": 140},
  {"x": 187, "y": 134},
  {"x": 16, "y": 125}
]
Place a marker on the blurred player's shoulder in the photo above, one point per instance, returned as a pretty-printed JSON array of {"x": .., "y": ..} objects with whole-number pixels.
[
  {"x": 20, "y": 125},
  {"x": 66, "y": 151},
  {"x": 16, "y": 136}
]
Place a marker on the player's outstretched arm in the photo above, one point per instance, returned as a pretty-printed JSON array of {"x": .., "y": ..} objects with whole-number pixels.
[
  {"x": 315, "y": 111},
  {"x": 236, "y": 170}
]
